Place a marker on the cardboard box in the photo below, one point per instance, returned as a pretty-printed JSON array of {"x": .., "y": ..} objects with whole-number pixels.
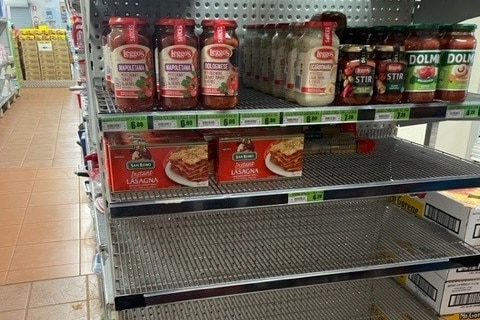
[
  {"x": 445, "y": 297},
  {"x": 64, "y": 77},
  {"x": 32, "y": 44},
  {"x": 462, "y": 316},
  {"x": 459, "y": 274},
  {"x": 248, "y": 156},
  {"x": 155, "y": 160}
]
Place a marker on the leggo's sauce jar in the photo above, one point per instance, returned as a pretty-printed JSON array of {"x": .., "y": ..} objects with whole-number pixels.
[
  {"x": 356, "y": 75},
  {"x": 423, "y": 57},
  {"x": 176, "y": 63},
  {"x": 317, "y": 55},
  {"x": 219, "y": 44},
  {"x": 390, "y": 67},
  {"x": 132, "y": 64},
  {"x": 457, "y": 51},
  {"x": 107, "y": 67}
]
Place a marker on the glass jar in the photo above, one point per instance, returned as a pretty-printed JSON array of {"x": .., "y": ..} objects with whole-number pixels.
[
  {"x": 107, "y": 67},
  {"x": 377, "y": 35},
  {"x": 423, "y": 57},
  {"x": 295, "y": 29},
  {"x": 219, "y": 71},
  {"x": 266, "y": 59},
  {"x": 333, "y": 16},
  {"x": 247, "y": 52},
  {"x": 132, "y": 64},
  {"x": 356, "y": 75},
  {"x": 317, "y": 56},
  {"x": 396, "y": 36},
  {"x": 457, "y": 51},
  {"x": 390, "y": 65},
  {"x": 176, "y": 63},
  {"x": 257, "y": 57},
  {"x": 278, "y": 63}
]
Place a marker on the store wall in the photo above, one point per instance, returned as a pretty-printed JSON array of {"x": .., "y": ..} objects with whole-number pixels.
[{"x": 40, "y": 12}]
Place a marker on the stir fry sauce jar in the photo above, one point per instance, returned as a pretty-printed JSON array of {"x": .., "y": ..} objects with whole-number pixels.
[
  {"x": 219, "y": 71},
  {"x": 390, "y": 71},
  {"x": 278, "y": 59},
  {"x": 317, "y": 56},
  {"x": 132, "y": 64},
  {"x": 457, "y": 51},
  {"x": 423, "y": 57},
  {"x": 176, "y": 63},
  {"x": 356, "y": 75},
  {"x": 295, "y": 29}
]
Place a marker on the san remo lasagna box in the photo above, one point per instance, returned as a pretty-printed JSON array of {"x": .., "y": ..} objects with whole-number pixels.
[
  {"x": 250, "y": 156},
  {"x": 156, "y": 160}
]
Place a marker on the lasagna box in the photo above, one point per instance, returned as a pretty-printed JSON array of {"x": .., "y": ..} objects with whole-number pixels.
[
  {"x": 155, "y": 160},
  {"x": 249, "y": 156}
]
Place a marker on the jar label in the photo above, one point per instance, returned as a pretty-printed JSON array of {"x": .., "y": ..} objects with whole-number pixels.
[
  {"x": 356, "y": 79},
  {"x": 390, "y": 77},
  {"x": 219, "y": 33},
  {"x": 422, "y": 70},
  {"x": 290, "y": 69},
  {"x": 131, "y": 34},
  {"x": 267, "y": 64},
  {"x": 219, "y": 74},
  {"x": 455, "y": 69},
  {"x": 132, "y": 71},
  {"x": 279, "y": 66},
  {"x": 179, "y": 33},
  {"x": 177, "y": 71},
  {"x": 318, "y": 70}
]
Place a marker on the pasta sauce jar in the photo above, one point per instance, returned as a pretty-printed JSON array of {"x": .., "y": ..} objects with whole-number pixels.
[
  {"x": 176, "y": 63},
  {"x": 457, "y": 51},
  {"x": 219, "y": 71},
  {"x": 423, "y": 57},
  {"x": 132, "y": 64},
  {"x": 107, "y": 67},
  {"x": 390, "y": 67}
]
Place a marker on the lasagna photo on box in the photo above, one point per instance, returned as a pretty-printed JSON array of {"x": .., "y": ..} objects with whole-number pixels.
[
  {"x": 188, "y": 166},
  {"x": 285, "y": 157}
]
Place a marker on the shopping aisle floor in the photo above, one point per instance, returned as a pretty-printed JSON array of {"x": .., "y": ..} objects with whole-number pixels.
[{"x": 46, "y": 232}]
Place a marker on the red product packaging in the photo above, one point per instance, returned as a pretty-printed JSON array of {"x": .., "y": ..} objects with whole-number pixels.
[
  {"x": 250, "y": 157},
  {"x": 156, "y": 160}
]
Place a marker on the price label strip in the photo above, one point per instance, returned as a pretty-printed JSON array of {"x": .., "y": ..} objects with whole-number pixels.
[
  {"x": 258, "y": 119},
  {"x": 305, "y": 197},
  {"x": 387, "y": 114},
  {"x": 456, "y": 112},
  {"x": 301, "y": 117},
  {"x": 114, "y": 125},
  {"x": 174, "y": 121},
  {"x": 218, "y": 120},
  {"x": 138, "y": 123},
  {"x": 339, "y": 116}
]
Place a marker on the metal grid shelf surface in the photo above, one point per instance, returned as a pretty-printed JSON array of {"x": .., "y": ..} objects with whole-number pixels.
[
  {"x": 195, "y": 255},
  {"x": 395, "y": 166},
  {"x": 356, "y": 300}
]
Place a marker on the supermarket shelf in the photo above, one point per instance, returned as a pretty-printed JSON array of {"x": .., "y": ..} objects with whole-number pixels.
[
  {"x": 257, "y": 109},
  {"x": 358, "y": 300},
  {"x": 169, "y": 258},
  {"x": 396, "y": 166}
]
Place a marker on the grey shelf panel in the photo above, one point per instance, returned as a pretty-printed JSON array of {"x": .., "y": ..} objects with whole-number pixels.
[
  {"x": 169, "y": 258},
  {"x": 396, "y": 166},
  {"x": 354, "y": 301}
]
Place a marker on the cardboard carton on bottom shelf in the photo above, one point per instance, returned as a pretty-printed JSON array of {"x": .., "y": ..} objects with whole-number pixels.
[
  {"x": 445, "y": 297},
  {"x": 462, "y": 316},
  {"x": 155, "y": 160}
]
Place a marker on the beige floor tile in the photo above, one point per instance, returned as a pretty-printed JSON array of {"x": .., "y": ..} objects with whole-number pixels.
[
  {"x": 85, "y": 211},
  {"x": 46, "y": 255},
  {"x": 51, "y": 213},
  {"x": 10, "y": 164},
  {"x": 9, "y": 235},
  {"x": 86, "y": 268},
  {"x": 58, "y": 291},
  {"x": 14, "y": 200},
  {"x": 54, "y": 198},
  {"x": 56, "y": 173},
  {"x": 6, "y": 254},
  {"x": 49, "y": 232},
  {"x": 13, "y": 315},
  {"x": 12, "y": 216},
  {"x": 15, "y": 145},
  {"x": 68, "y": 154},
  {"x": 7, "y": 175},
  {"x": 87, "y": 250},
  {"x": 67, "y": 162},
  {"x": 39, "y": 154},
  {"x": 14, "y": 296},
  {"x": 93, "y": 291},
  {"x": 87, "y": 229},
  {"x": 56, "y": 184},
  {"x": 54, "y": 272},
  {"x": 37, "y": 163},
  {"x": 3, "y": 277},
  {"x": 96, "y": 310},
  {"x": 68, "y": 311},
  {"x": 16, "y": 187}
]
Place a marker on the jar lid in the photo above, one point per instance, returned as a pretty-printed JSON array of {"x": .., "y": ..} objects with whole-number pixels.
[
  {"x": 320, "y": 24},
  {"x": 356, "y": 48},
  {"x": 423, "y": 26},
  {"x": 127, "y": 20},
  {"x": 388, "y": 48},
  {"x": 250, "y": 26},
  {"x": 269, "y": 26},
  {"x": 174, "y": 22},
  {"x": 282, "y": 25},
  {"x": 378, "y": 28},
  {"x": 400, "y": 29},
  {"x": 296, "y": 25},
  {"x": 458, "y": 27},
  {"x": 219, "y": 22}
]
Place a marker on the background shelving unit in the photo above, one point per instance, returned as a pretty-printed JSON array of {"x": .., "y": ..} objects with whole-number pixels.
[{"x": 164, "y": 253}]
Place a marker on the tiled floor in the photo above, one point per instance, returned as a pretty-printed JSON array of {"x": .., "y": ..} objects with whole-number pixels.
[{"x": 46, "y": 233}]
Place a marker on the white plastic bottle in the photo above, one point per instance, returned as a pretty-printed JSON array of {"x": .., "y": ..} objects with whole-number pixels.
[
  {"x": 266, "y": 49},
  {"x": 295, "y": 29},
  {"x": 317, "y": 56},
  {"x": 278, "y": 59}
]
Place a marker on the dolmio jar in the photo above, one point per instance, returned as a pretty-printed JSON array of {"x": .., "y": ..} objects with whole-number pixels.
[
  {"x": 423, "y": 57},
  {"x": 457, "y": 51},
  {"x": 132, "y": 64},
  {"x": 176, "y": 63},
  {"x": 219, "y": 72}
]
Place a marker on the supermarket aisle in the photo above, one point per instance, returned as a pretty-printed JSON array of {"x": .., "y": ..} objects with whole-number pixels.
[{"x": 46, "y": 233}]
